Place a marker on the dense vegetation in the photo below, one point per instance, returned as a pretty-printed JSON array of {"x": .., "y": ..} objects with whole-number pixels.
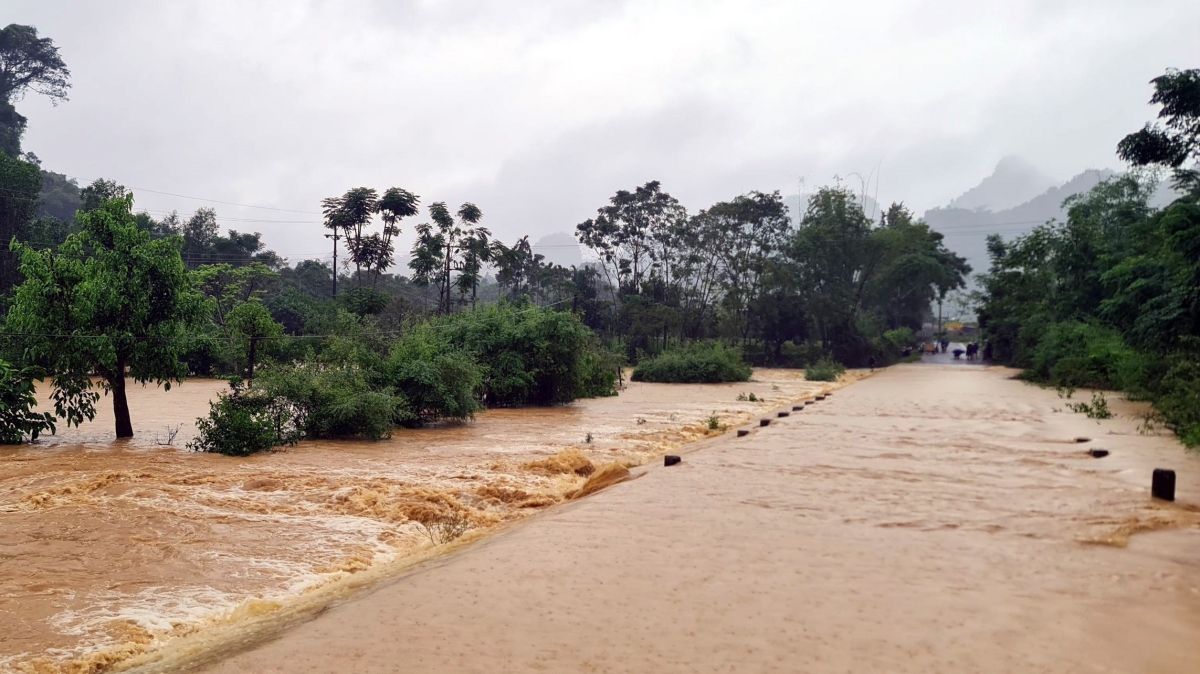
[
  {"x": 698, "y": 363},
  {"x": 742, "y": 271},
  {"x": 364, "y": 384},
  {"x": 1111, "y": 297}
]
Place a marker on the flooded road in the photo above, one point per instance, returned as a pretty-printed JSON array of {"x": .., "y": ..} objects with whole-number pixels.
[
  {"x": 928, "y": 519},
  {"x": 108, "y": 550}
]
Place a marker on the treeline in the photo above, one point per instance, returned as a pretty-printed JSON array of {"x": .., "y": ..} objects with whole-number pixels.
[
  {"x": 839, "y": 283},
  {"x": 1110, "y": 298},
  {"x": 117, "y": 300}
]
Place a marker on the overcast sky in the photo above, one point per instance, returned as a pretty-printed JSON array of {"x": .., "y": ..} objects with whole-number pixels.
[{"x": 539, "y": 111}]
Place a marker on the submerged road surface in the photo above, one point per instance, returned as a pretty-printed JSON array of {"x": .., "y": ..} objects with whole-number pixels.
[{"x": 926, "y": 519}]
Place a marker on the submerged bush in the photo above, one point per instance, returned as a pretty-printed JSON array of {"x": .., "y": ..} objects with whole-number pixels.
[
  {"x": 436, "y": 381},
  {"x": 825, "y": 369},
  {"x": 334, "y": 401},
  {"x": 530, "y": 355},
  {"x": 18, "y": 421},
  {"x": 244, "y": 422},
  {"x": 700, "y": 363}
]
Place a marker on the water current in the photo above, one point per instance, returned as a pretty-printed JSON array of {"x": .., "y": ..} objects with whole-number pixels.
[{"x": 110, "y": 550}]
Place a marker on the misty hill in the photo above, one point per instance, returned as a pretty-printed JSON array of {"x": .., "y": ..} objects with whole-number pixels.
[
  {"x": 1013, "y": 183},
  {"x": 967, "y": 229},
  {"x": 559, "y": 248}
]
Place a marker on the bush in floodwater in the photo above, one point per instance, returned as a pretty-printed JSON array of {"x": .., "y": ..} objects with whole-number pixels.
[
  {"x": 530, "y": 355},
  {"x": 1097, "y": 409},
  {"x": 244, "y": 422},
  {"x": 331, "y": 401},
  {"x": 825, "y": 369},
  {"x": 437, "y": 381},
  {"x": 18, "y": 421},
  {"x": 699, "y": 363}
]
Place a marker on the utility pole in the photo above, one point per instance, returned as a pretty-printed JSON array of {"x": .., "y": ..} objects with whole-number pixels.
[{"x": 335, "y": 236}]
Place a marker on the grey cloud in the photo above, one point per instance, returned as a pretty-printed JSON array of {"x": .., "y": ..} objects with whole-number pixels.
[{"x": 538, "y": 112}]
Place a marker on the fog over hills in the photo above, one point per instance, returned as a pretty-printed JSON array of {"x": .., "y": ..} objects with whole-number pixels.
[
  {"x": 967, "y": 229},
  {"x": 1013, "y": 183}
]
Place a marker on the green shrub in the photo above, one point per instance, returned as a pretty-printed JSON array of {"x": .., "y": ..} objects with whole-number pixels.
[
  {"x": 825, "y": 369},
  {"x": 529, "y": 355},
  {"x": 242, "y": 422},
  {"x": 699, "y": 363},
  {"x": 333, "y": 401},
  {"x": 435, "y": 381},
  {"x": 889, "y": 347},
  {"x": 1097, "y": 409},
  {"x": 1080, "y": 355},
  {"x": 18, "y": 421},
  {"x": 1179, "y": 399}
]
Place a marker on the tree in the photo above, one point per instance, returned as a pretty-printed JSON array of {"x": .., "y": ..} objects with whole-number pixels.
[
  {"x": 30, "y": 63},
  {"x": 628, "y": 233},
  {"x": 439, "y": 249},
  {"x": 395, "y": 205},
  {"x": 1178, "y": 92},
  {"x": 27, "y": 63},
  {"x": 250, "y": 323},
  {"x": 749, "y": 231},
  {"x": 100, "y": 191},
  {"x": 350, "y": 215},
  {"x": 476, "y": 251},
  {"x": 21, "y": 182},
  {"x": 18, "y": 397},
  {"x": 112, "y": 301}
]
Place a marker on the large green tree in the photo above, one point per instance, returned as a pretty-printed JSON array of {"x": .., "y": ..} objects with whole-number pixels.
[
  {"x": 27, "y": 63},
  {"x": 1175, "y": 143},
  {"x": 20, "y": 184},
  {"x": 112, "y": 301}
]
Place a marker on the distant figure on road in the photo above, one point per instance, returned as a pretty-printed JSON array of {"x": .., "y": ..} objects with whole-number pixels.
[
  {"x": 972, "y": 351},
  {"x": 945, "y": 344},
  {"x": 958, "y": 354},
  {"x": 871, "y": 363}
]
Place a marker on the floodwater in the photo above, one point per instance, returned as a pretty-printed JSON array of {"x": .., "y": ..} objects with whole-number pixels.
[
  {"x": 929, "y": 519},
  {"x": 110, "y": 550}
]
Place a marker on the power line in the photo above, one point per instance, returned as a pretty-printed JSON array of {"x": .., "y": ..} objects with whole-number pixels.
[{"x": 215, "y": 201}]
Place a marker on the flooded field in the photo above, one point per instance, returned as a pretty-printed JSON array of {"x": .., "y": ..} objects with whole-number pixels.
[{"x": 109, "y": 550}]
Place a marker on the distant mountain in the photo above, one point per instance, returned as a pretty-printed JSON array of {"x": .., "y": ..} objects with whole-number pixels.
[
  {"x": 967, "y": 229},
  {"x": 1011, "y": 184},
  {"x": 559, "y": 248}
]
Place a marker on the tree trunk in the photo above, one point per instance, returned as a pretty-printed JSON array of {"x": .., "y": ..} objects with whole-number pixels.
[
  {"x": 250, "y": 369},
  {"x": 120, "y": 402}
]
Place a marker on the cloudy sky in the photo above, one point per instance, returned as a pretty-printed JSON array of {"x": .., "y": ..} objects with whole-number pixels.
[{"x": 539, "y": 111}]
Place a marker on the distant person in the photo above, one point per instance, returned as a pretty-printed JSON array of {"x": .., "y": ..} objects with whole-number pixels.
[
  {"x": 987, "y": 350},
  {"x": 945, "y": 344},
  {"x": 958, "y": 354},
  {"x": 871, "y": 363}
]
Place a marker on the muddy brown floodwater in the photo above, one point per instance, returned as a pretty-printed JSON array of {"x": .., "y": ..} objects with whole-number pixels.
[
  {"x": 108, "y": 550},
  {"x": 927, "y": 520}
]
